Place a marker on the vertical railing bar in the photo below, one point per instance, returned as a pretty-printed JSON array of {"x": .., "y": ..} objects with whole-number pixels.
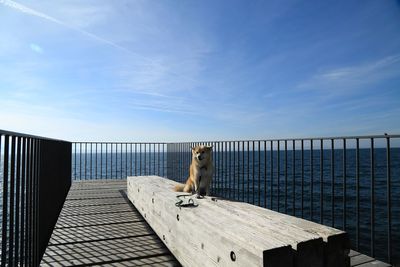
[
  {"x": 179, "y": 161},
  {"x": 39, "y": 142},
  {"x": 265, "y": 174},
  {"x": 358, "y": 193},
  {"x": 145, "y": 159},
  {"x": 172, "y": 166},
  {"x": 111, "y": 165},
  {"x": 136, "y": 160},
  {"x": 131, "y": 158},
  {"x": 174, "y": 163},
  {"x": 36, "y": 203},
  {"x": 389, "y": 199},
  {"x": 344, "y": 183},
  {"x": 238, "y": 170},
  {"x": 80, "y": 161},
  {"x": 218, "y": 168},
  {"x": 150, "y": 159},
  {"x": 158, "y": 157},
  {"x": 126, "y": 160},
  {"x": 372, "y": 198},
  {"x": 248, "y": 172},
  {"x": 279, "y": 174},
  {"x": 96, "y": 162},
  {"x": 234, "y": 170},
  {"x": 28, "y": 202},
  {"x": 12, "y": 203},
  {"x": 321, "y": 185},
  {"x": 311, "y": 179},
  {"x": 286, "y": 177},
  {"x": 4, "y": 221},
  {"x": 121, "y": 163},
  {"x": 18, "y": 212},
  {"x": 243, "y": 194},
  {"x": 223, "y": 168},
  {"x": 253, "y": 172},
  {"x": 31, "y": 204},
  {"x": 106, "y": 148},
  {"x": 294, "y": 176},
  {"x": 29, "y": 219},
  {"x": 217, "y": 178},
  {"x": 75, "y": 177},
  {"x": 272, "y": 176},
  {"x": 302, "y": 178},
  {"x": 85, "y": 159},
  {"x": 23, "y": 199},
  {"x": 230, "y": 174},
  {"x": 101, "y": 160},
  {"x": 97, "y": 155},
  {"x": 91, "y": 159},
  {"x": 31, "y": 195},
  {"x": 333, "y": 182},
  {"x": 226, "y": 169},
  {"x": 259, "y": 174},
  {"x": 163, "y": 160}
]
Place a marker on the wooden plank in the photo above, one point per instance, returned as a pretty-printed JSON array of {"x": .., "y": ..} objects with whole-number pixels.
[
  {"x": 197, "y": 249},
  {"x": 361, "y": 260},
  {"x": 104, "y": 232},
  {"x": 201, "y": 239},
  {"x": 313, "y": 244},
  {"x": 216, "y": 248}
]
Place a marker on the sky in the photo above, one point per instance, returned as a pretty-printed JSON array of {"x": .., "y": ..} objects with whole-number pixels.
[{"x": 186, "y": 70}]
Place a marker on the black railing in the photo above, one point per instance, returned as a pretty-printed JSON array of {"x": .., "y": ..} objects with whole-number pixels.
[
  {"x": 35, "y": 178},
  {"x": 117, "y": 160},
  {"x": 351, "y": 182}
]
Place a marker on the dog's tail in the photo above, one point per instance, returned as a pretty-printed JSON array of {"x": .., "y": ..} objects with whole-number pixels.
[{"x": 179, "y": 187}]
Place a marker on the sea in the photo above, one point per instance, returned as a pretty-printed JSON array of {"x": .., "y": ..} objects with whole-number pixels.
[{"x": 292, "y": 186}]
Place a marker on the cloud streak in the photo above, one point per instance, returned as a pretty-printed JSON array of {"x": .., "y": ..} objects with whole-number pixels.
[
  {"x": 354, "y": 77},
  {"x": 36, "y": 48},
  {"x": 27, "y": 10}
]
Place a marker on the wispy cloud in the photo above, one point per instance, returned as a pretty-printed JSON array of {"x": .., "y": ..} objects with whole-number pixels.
[
  {"x": 36, "y": 48},
  {"x": 27, "y": 10},
  {"x": 343, "y": 79}
]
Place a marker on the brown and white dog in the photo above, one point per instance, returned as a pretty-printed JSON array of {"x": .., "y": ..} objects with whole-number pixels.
[{"x": 200, "y": 172}]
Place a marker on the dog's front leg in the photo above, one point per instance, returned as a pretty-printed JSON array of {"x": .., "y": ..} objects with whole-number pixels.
[{"x": 197, "y": 185}]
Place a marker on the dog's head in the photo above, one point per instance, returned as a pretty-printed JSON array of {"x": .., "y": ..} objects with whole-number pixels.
[{"x": 202, "y": 153}]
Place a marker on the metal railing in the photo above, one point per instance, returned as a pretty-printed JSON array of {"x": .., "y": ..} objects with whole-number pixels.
[
  {"x": 116, "y": 160},
  {"x": 350, "y": 182},
  {"x": 35, "y": 178}
]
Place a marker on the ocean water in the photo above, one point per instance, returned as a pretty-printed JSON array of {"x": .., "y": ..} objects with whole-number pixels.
[{"x": 290, "y": 182}]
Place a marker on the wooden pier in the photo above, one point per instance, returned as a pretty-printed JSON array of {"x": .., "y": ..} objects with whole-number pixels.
[{"x": 98, "y": 226}]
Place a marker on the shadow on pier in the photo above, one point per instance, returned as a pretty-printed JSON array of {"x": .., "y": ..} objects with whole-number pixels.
[{"x": 99, "y": 226}]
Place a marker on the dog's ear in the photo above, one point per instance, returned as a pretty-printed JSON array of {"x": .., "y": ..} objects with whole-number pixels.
[{"x": 209, "y": 148}]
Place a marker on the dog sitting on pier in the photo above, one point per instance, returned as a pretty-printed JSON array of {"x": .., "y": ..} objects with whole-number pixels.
[{"x": 200, "y": 172}]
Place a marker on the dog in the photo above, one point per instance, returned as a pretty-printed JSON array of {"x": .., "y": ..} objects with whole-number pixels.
[{"x": 200, "y": 172}]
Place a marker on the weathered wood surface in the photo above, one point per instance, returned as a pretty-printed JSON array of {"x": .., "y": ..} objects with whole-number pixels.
[
  {"x": 113, "y": 235},
  {"x": 98, "y": 226},
  {"x": 226, "y": 233},
  {"x": 361, "y": 260}
]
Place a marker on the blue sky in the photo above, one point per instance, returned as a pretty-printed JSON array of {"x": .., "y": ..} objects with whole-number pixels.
[{"x": 199, "y": 70}]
